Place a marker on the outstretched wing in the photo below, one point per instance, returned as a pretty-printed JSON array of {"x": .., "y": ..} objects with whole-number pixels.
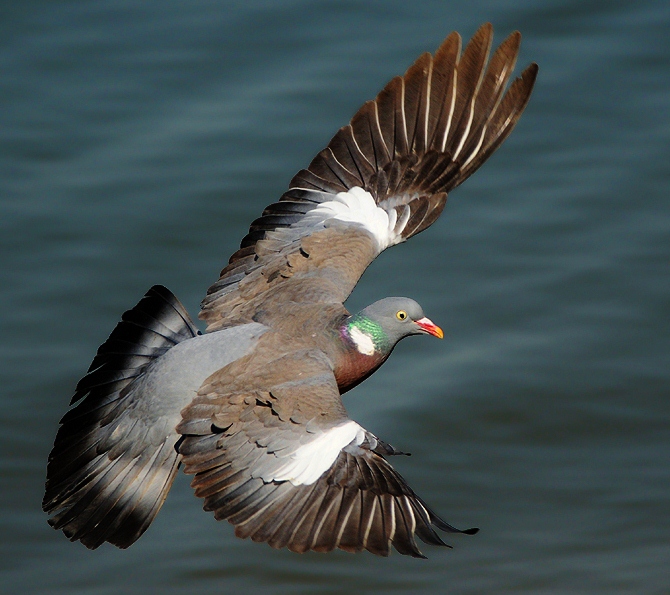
[
  {"x": 274, "y": 453},
  {"x": 381, "y": 179}
]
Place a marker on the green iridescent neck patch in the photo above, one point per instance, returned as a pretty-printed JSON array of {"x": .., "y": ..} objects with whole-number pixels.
[{"x": 367, "y": 335}]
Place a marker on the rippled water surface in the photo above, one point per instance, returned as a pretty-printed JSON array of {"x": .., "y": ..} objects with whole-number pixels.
[{"x": 137, "y": 142}]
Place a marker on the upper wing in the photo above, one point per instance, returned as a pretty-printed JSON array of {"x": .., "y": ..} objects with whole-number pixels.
[
  {"x": 274, "y": 452},
  {"x": 380, "y": 180}
]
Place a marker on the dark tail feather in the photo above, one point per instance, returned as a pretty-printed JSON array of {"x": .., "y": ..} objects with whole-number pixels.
[
  {"x": 109, "y": 471},
  {"x": 147, "y": 331}
]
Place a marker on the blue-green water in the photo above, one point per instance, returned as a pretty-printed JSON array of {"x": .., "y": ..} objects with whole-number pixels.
[{"x": 137, "y": 142}]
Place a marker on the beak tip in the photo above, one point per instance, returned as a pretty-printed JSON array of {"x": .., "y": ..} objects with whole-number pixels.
[{"x": 428, "y": 326}]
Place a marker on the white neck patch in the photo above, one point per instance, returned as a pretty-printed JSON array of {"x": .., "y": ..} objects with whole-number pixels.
[
  {"x": 362, "y": 341},
  {"x": 356, "y": 206}
]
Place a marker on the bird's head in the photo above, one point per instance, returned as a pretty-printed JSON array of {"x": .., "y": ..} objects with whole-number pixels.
[
  {"x": 401, "y": 317},
  {"x": 382, "y": 324}
]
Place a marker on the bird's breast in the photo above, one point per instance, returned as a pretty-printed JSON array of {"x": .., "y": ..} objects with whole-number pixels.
[{"x": 354, "y": 367}]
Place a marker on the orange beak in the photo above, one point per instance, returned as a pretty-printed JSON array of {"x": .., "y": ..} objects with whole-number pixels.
[{"x": 429, "y": 327}]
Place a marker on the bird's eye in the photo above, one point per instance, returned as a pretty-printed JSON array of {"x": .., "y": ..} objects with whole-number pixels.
[{"x": 401, "y": 315}]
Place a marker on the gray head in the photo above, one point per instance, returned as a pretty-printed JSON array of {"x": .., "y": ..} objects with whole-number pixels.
[{"x": 387, "y": 321}]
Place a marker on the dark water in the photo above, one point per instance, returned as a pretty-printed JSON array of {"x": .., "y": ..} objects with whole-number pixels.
[{"x": 137, "y": 142}]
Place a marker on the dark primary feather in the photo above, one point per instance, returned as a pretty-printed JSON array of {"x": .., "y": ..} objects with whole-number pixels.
[
  {"x": 424, "y": 134},
  {"x": 431, "y": 127}
]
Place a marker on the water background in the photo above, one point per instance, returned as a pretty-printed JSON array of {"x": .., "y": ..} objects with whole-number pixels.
[{"x": 137, "y": 142}]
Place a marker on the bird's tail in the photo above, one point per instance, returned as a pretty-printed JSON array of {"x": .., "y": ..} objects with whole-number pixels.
[{"x": 111, "y": 468}]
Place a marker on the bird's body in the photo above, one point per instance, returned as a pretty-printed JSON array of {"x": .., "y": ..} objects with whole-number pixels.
[{"x": 253, "y": 407}]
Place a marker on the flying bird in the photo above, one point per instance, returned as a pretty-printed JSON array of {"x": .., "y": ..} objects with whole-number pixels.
[{"x": 252, "y": 408}]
